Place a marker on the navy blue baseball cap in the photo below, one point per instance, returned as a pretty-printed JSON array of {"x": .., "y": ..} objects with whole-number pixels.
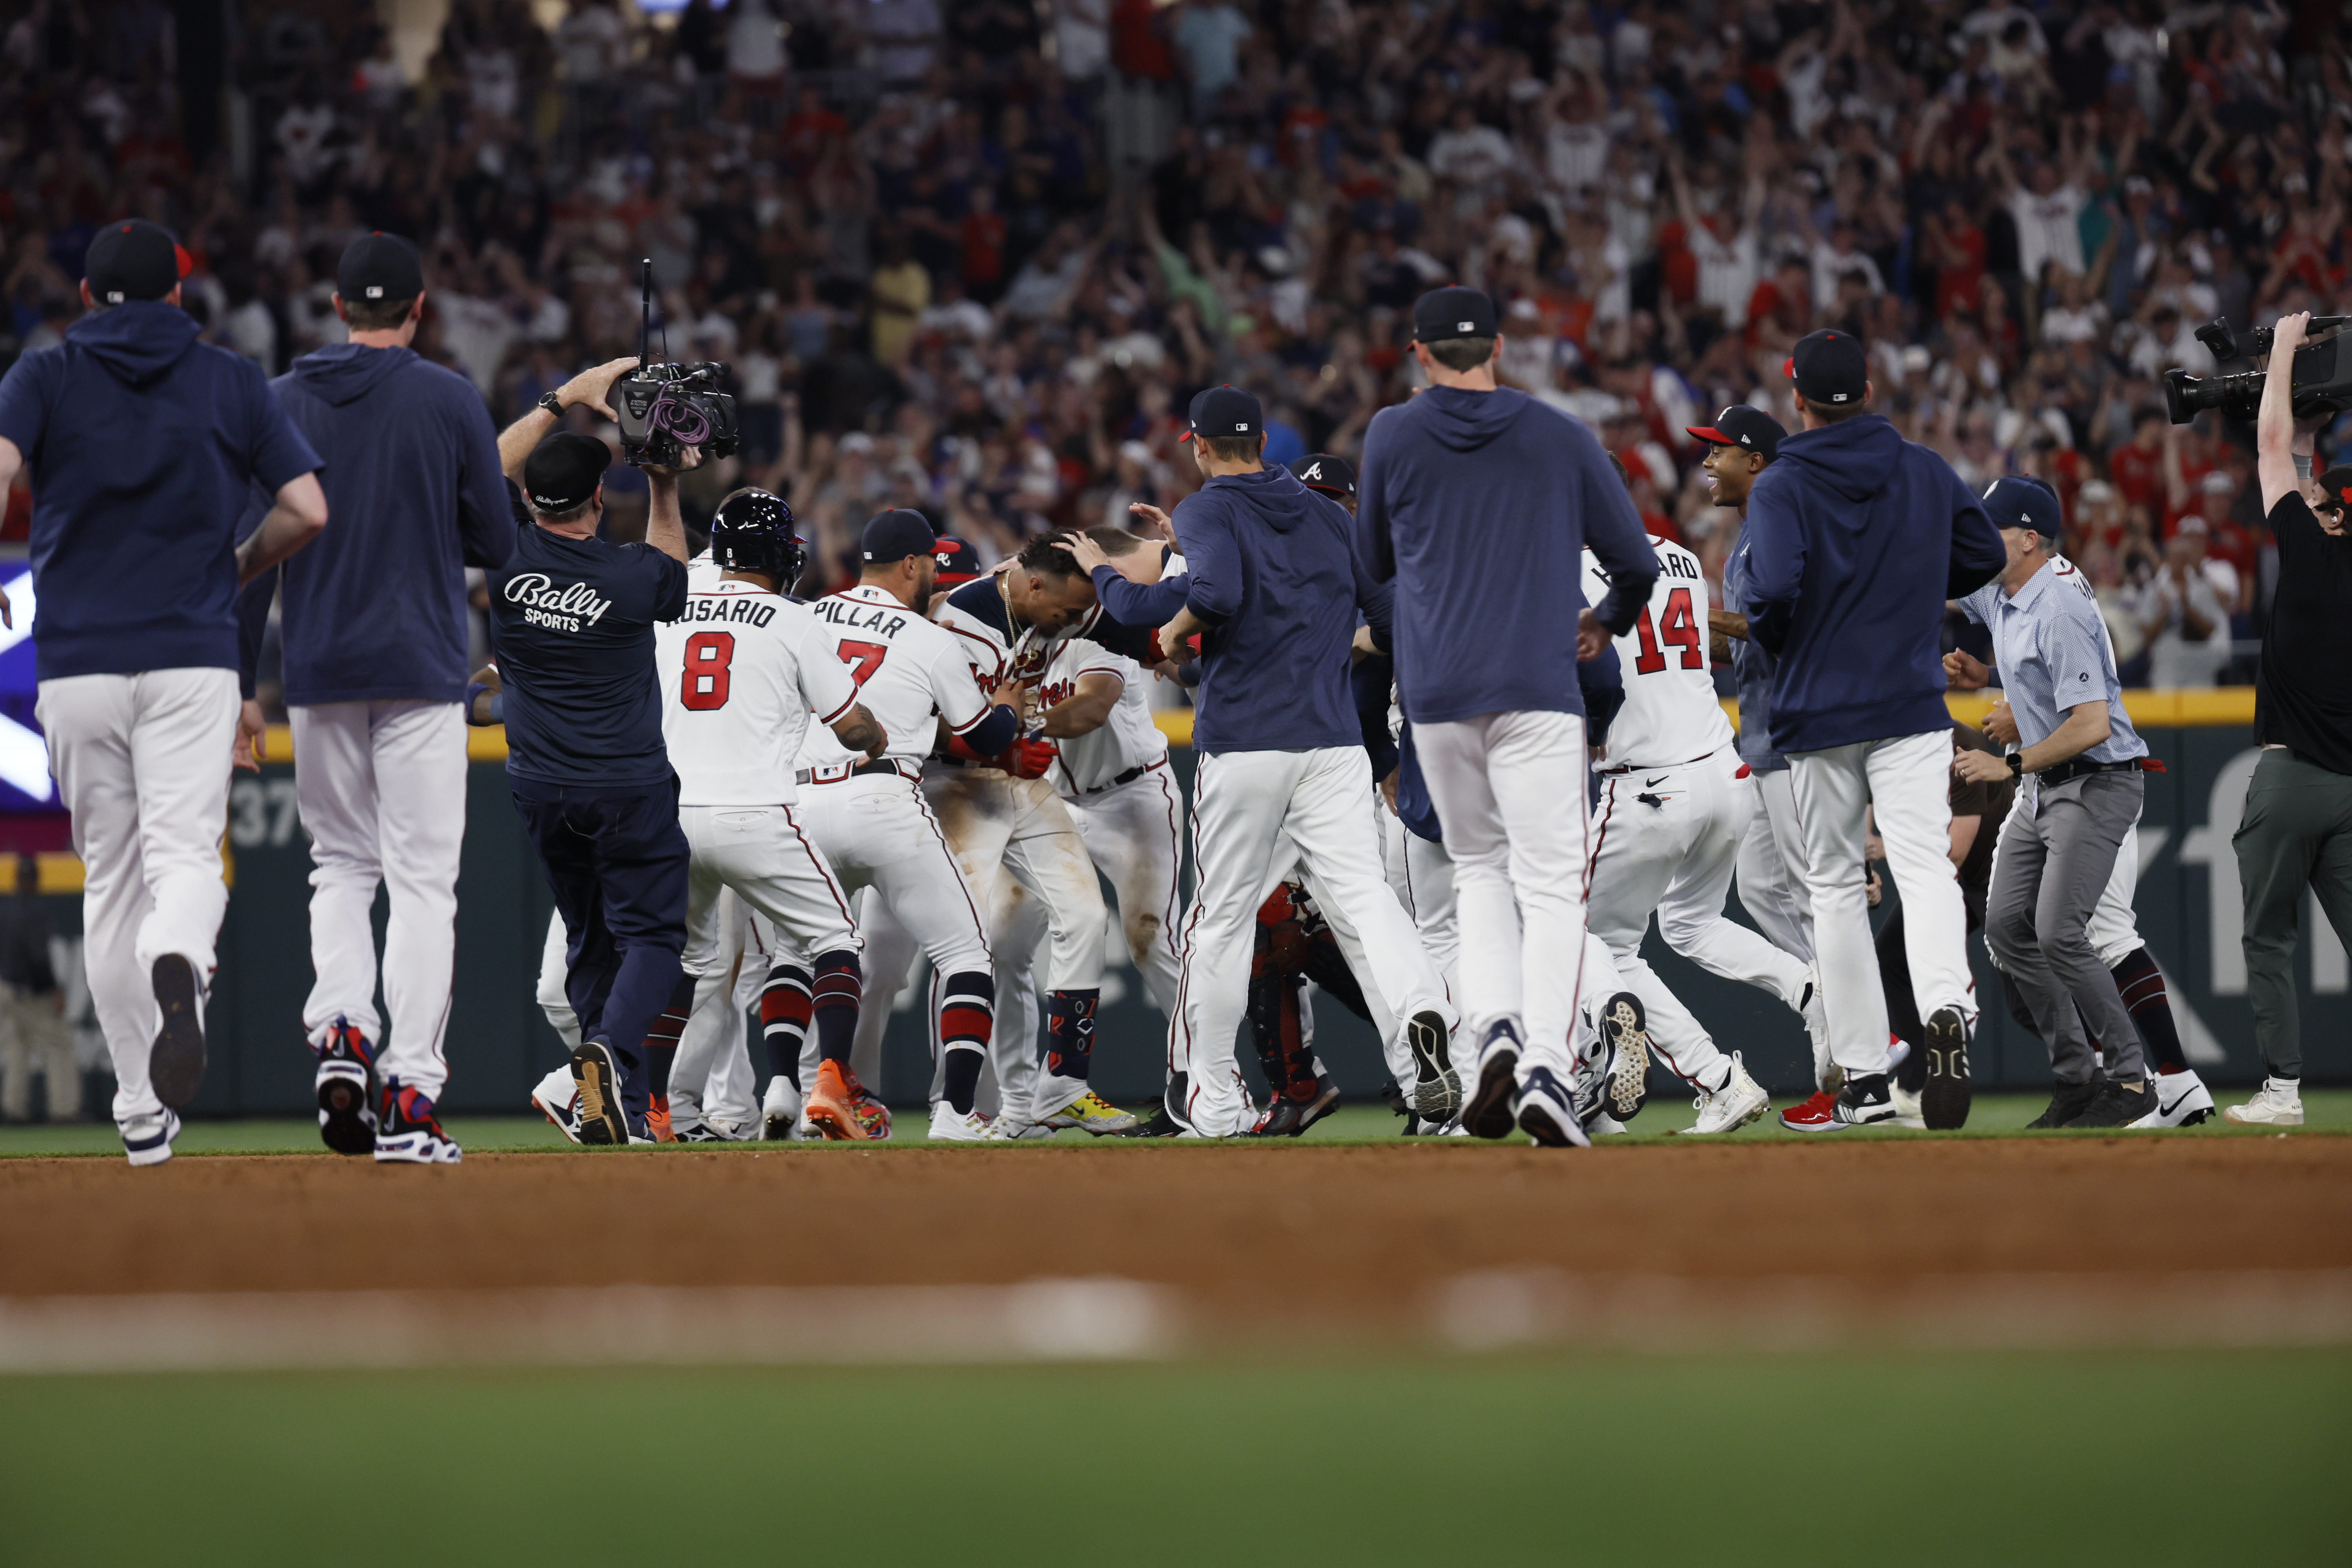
[
  {"x": 133, "y": 259},
  {"x": 1829, "y": 367},
  {"x": 1443, "y": 314},
  {"x": 959, "y": 562},
  {"x": 895, "y": 536},
  {"x": 1224, "y": 411},
  {"x": 379, "y": 267},
  {"x": 1322, "y": 471},
  {"x": 2017, "y": 502},
  {"x": 1740, "y": 425}
]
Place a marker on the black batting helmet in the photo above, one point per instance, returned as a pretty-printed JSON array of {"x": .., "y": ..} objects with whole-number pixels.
[{"x": 753, "y": 530}]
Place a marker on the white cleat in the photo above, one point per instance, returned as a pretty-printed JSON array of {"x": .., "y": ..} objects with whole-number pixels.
[
  {"x": 1907, "y": 1109},
  {"x": 2183, "y": 1101},
  {"x": 1604, "y": 1125},
  {"x": 783, "y": 1118},
  {"x": 1740, "y": 1101},
  {"x": 950, "y": 1125},
  {"x": 2280, "y": 1104},
  {"x": 147, "y": 1139},
  {"x": 558, "y": 1099}
]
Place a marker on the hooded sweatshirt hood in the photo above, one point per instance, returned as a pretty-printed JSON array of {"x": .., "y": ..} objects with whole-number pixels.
[
  {"x": 1470, "y": 421},
  {"x": 1851, "y": 458},
  {"x": 1274, "y": 494},
  {"x": 344, "y": 372},
  {"x": 138, "y": 340}
]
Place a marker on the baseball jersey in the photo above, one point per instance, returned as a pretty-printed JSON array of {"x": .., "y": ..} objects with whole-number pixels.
[
  {"x": 1671, "y": 713},
  {"x": 907, "y": 669},
  {"x": 1125, "y": 741},
  {"x": 741, "y": 671}
]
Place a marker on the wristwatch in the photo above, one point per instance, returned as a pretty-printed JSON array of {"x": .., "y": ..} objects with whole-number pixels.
[
  {"x": 2016, "y": 764},
  {"x": 553, "y": 403}
]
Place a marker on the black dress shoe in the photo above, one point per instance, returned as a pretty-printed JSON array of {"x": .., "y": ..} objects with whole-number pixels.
[{"x": 2115, "y": 1105}]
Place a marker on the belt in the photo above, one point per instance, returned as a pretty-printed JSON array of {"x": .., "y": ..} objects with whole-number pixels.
[
  {"x": 840, "y": 773},
  {"x": 1662, "y": 767},
  {"x": 2077, "y": 767},
  {"x": 1130, "y": 777}
]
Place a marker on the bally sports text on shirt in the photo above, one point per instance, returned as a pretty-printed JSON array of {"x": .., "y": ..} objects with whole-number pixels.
[{"x": 566, "y": 609}]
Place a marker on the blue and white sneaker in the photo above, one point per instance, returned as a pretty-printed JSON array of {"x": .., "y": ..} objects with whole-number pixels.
[
  {"x": 558, "y": 1100},
  {"x": 1488, "y": 1112},
  {"x": 147, "y": 1139},
  {"x": 1625, "y": 1026},
  {"x": 1547, "y": 1113},
  {"x": 347, "y": 1091},
  {"x": 409, "y": 1134}
]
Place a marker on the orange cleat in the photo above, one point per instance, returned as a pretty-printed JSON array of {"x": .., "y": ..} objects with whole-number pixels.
[
  {"x": 832, "y": 1105},
  {"x": 657, "y": 1120}
]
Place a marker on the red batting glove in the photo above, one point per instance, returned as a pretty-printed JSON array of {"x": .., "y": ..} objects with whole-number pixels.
[{"x": 1027, "y": 759}]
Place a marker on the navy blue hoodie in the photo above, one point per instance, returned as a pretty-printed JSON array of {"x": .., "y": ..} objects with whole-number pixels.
[
  {"x": 1479, "y": 504},
  {"x": 1855, "y": 538},
  {"x": 142, "y": 444},
  {"x": 375, "y": 608},
  {"x": 1268, "y": 568}
]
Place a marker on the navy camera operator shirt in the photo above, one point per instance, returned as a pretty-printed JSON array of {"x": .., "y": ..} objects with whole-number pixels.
[{"x": 572, "y": 622}]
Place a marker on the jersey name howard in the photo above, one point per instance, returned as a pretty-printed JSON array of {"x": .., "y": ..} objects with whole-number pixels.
[{"x": 564, "y": 609}]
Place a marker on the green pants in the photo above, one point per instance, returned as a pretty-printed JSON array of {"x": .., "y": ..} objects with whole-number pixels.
[{"x": 2296, "y": 833}]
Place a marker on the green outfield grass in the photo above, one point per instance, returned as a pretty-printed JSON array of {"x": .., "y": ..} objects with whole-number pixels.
[
  {"x": 1994, "y": 1116},
  {"x": 2015, "y": 1458}
]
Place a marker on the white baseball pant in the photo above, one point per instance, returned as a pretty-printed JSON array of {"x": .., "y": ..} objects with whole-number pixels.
[
  {"x": 995, "y": 823},
  {"x": 1256, "y": 814},
  {"x": 553, "y": 1000},
  {"x": 1420, "y": 874},
  {"x": 1664, "y": 840},
  {"x": 765, "y": 857},
  {"x": 1771, "y": 867},
  {"x": 1907, "y": 782},
  {"x": 1509, "y": 793},
  {"x": 1018, "y": 927},
  {"x": 712, "y": 1078},
  {"x": 143, "y": 762},
  {"x": 381, "y": 789},
  {"x": 1134, "y": 832},
  {"x": 877, "y": 831}
]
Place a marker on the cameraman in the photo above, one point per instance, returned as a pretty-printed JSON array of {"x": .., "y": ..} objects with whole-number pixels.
[
  {"x": 2297, "y": 827},
  {"x": 572, "y": 623}
]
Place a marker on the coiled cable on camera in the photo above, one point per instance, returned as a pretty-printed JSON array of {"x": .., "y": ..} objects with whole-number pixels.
[{"x": 682, "y": 420}]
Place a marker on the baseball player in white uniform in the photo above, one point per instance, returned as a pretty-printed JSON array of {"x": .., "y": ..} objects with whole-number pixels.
[
  {"x": 1012, "y": 626},
  {"x": 741, "y": 671},
  {"x": 1674, "y": 808},
  {"x": 869, "y": 815}
]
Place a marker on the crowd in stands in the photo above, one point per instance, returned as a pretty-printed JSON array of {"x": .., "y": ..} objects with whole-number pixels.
[{"x": 974, "y": 256}]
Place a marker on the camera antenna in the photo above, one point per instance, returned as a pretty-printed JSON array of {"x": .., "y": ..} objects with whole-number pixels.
[{"x": 646, "y": 307}]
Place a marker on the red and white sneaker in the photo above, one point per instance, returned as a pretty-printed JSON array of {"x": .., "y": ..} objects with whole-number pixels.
[{"x": 1862, "y": 1102}]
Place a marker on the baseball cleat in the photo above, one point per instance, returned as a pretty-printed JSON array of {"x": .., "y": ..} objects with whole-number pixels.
[
  {"x": 597, "y": 1077},
  {"x": 657, "y": 1120},
  {"x": 347, "y": 1092},
  {"x": 1625, "y": 1026},
  {"x": 950, "y": 1125},
  {"x": 1863, "y": 1102},
  {"x": 1546, "y": 1112},
  {"x": 2069, "y": 1100},
  {"x": 558, "y": 1099},
  {"x": 2279, "y": 1104},
  {"x": 779, "y": 1112},
  {"x": 2117, "y": 1105},
  {"x": 1074, "y": 1104},
  {"x": 1906, "y": 1106},
  {"x": 147, "y": 1138},
  {"x": 1437, "y": 1088},
  {"x": 1280, "y": 1120},
  {"x": 1004, "y": 1128},
  {"x": 1604, "y": 1125},
  {"x": 1740, "y": 1101},
  {"x": 1944, "y": 1097},
  {"x": 716, "y": 1133},
  {"x": 871, "y": 1113},
  {"x": 1489, "y": 1114},
  {"x": 829, "y": 1110},
  {"x": 1326, "y": 1102},
  {"x": 175, "y": 1063},
  {"x": 2181, "y": 1101},
  {"x": 409, "y": 1134}
]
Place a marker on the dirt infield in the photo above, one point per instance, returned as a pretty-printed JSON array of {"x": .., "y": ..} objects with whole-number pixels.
[{"x": 1349, "y": 1235}]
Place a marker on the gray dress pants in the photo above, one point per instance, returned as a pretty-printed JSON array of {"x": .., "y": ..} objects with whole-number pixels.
[{"x": 2054, "y": 866}]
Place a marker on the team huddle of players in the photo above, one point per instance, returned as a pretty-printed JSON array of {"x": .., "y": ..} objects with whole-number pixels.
[{"x": 913, "y": 820}]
